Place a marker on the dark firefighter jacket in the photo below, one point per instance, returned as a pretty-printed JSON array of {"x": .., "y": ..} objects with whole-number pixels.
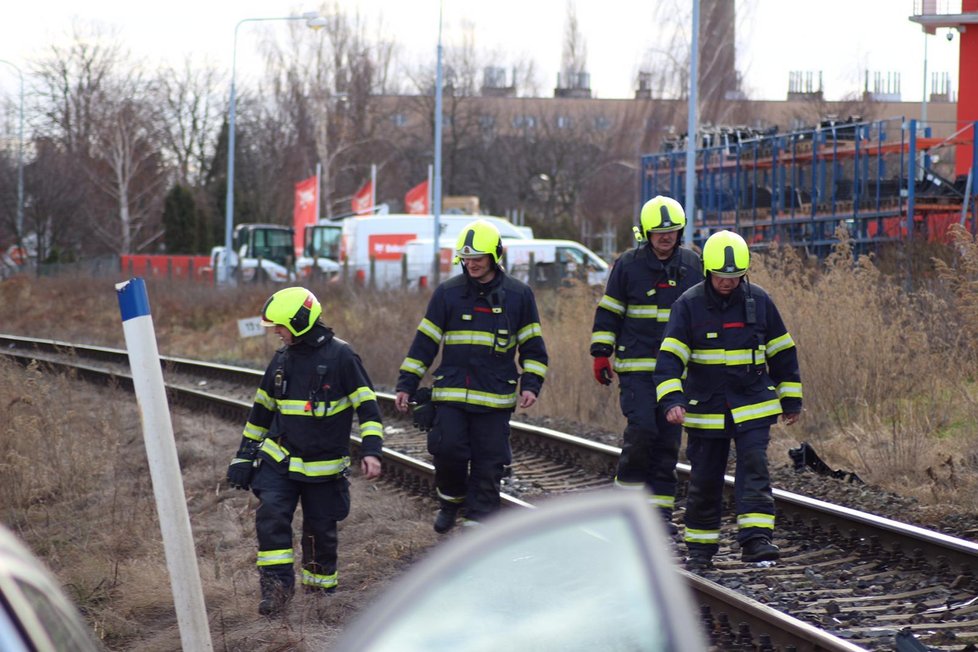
[
  {"x": 632, "y": 314},
  {"x": 303, "y": 410},
  {"x": 479, "y": 327},
  {"x": 719, "y": 354}
]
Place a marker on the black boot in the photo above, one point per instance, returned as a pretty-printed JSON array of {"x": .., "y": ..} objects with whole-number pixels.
[
  {"x": 759, "y": 549},
  {"x": 445, "y": 520},
  {"x": 274, "y": 597}
]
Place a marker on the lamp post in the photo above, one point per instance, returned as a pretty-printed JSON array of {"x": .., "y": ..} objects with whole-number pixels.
[
  {"x": 313, "y": 20},
  {"x": 20, "y": 157},
  {"x": 436, "y": 191}
]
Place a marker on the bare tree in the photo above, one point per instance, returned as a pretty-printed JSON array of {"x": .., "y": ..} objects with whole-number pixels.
[
  {"x": 326, "y": 84},
  {"x": 573, "y": 57},
  {"x": 190, "y": 113},
  {"x": 97, "y": 112}
]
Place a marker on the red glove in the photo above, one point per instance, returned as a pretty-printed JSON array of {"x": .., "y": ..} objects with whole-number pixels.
[{"x": 602, "y": 370}]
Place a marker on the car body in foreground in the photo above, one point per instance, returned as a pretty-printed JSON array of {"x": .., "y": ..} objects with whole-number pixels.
[
  {"x": 35, "y": 613},
  {"x": 590, "y": 572}
]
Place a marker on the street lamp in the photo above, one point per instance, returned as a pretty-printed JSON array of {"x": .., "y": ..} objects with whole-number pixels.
[
  {"x": 313, "y": 20},
  {"x": 20, "y": 158}
]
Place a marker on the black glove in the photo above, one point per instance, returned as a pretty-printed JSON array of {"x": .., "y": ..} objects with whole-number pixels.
[
  {"x": 423, "y": 410},
  {"x": 242, "y": 467}
]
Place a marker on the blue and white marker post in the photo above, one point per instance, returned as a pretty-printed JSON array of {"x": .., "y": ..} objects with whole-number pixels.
[{"x": 164, "y": 467}]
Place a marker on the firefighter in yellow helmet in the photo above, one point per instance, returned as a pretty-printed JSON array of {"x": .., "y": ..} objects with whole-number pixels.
[
  {"x": 493, "y": 360},
  {"x": 727, "y": 370},
  {"x": 628, "y": 325},
  {"x": 296, "y": 446}
]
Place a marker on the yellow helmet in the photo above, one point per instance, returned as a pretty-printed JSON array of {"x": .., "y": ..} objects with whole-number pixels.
[
  {"x": 661, "y": 214},
  {"x": 480, "y": 238},
  {"x": 726, "y": 254},
  {"x": 295, "y": 308}
]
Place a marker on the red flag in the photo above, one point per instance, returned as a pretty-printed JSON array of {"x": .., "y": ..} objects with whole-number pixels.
[
  {"x": 363, "y": 199},
  {"x": 416, "y": 199},
  {"x": 304, "y": 211}
]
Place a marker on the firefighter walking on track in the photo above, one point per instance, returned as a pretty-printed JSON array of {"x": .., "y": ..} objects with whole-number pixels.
[
  {"x": 296, "y": 446},
  {"x": 727, "y": 369},
  {"x": 479, "y": 320},
  {"x": 628, "y": 324}
]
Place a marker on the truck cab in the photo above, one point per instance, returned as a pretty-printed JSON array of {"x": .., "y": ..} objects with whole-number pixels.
[
  {"x": 320, "y": 251},
  {"x": 259, "y": 252}
]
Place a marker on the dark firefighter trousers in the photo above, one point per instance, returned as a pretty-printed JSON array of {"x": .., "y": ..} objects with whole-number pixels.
[
  {"x": 650, "y": 447},
  {"x": 471, "y": 452},
  {"x": 752, "y": 487},
  {"x": 323, "y": 505}
]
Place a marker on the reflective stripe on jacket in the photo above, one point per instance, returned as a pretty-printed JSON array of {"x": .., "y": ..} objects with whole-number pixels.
[
  {"x": 303, "y": 409},
  {"x": 479, "y": 328},
  {"x": 712, "y": 360},
  {"x": 632, "y": 315}
]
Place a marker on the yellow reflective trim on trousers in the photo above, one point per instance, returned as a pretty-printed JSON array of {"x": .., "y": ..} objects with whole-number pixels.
[
  {"x": 320, "y": 469},
  {"x": 612, "y": 305},
  {"x": 371, "y": 428},
  {"x": 756, "y": 519},
  {"x": 262, "y": 398},
  {"x": 458, "y": 500},
  {"x": 702, "y": 536},
  {"x": 668, "y": 387},
  {"x": 756, "y": 411},
  {"x": 633, "y": 364},
  {"x": 361, "y": 395},
  {"x": 253, "y": 432},
  {"x": 789, "y": 390},
  {"x": 603, "y": 337},
  {"x": 704, "y": 421},
  {"x": 428, "y": 328},
  {"x": 529, "y": 332},
  {"x": 662, "y": 502},
  {"x": 677, "y": 348},
  {"x": 473, "y": 397},
  {"x": 321, "y": 581},
  {"x": 729, "y": 357},
  {"x": 414, "y": 366},
  {"x": 276, "y": 557},
  {"x": 779, "y": 344},
  {"x": 535, "y": 367}
]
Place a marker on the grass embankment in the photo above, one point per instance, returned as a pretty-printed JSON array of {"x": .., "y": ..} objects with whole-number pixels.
[{"x": 889, "y": 394}]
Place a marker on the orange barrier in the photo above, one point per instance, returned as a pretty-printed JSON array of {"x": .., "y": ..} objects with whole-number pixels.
[{"x": 192, "y": 268}]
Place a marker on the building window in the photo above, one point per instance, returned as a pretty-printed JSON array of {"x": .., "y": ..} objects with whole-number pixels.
[
  {"x": 399, "y": 119},
  {"x": 524, "y": 122},
  {"x": 564, "y": 122},
  {"x": 602, "y": 123}
]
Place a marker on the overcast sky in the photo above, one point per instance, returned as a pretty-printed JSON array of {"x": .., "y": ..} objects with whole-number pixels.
[{"x": 839, "y": 37}]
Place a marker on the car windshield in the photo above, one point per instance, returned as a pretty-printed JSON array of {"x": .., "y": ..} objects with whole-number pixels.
[{"x": 577, "y": 587}]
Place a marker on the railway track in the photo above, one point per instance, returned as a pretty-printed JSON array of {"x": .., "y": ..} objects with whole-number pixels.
[{"x": 847, "y": 579}]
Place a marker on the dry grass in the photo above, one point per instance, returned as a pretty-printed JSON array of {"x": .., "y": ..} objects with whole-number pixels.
[
  {"x": 890, "y": 394},
  {"x": 77, "y": 489}
]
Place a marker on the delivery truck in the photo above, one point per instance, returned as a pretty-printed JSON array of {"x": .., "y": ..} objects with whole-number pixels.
[
  {"x": 372, "y": 247},
  {"x": 552, "y": 262}
]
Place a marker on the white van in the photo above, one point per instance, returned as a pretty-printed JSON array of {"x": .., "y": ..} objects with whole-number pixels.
[
  {"x": 554, "y": 261},
  {"x": 372, "y": 247}
]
